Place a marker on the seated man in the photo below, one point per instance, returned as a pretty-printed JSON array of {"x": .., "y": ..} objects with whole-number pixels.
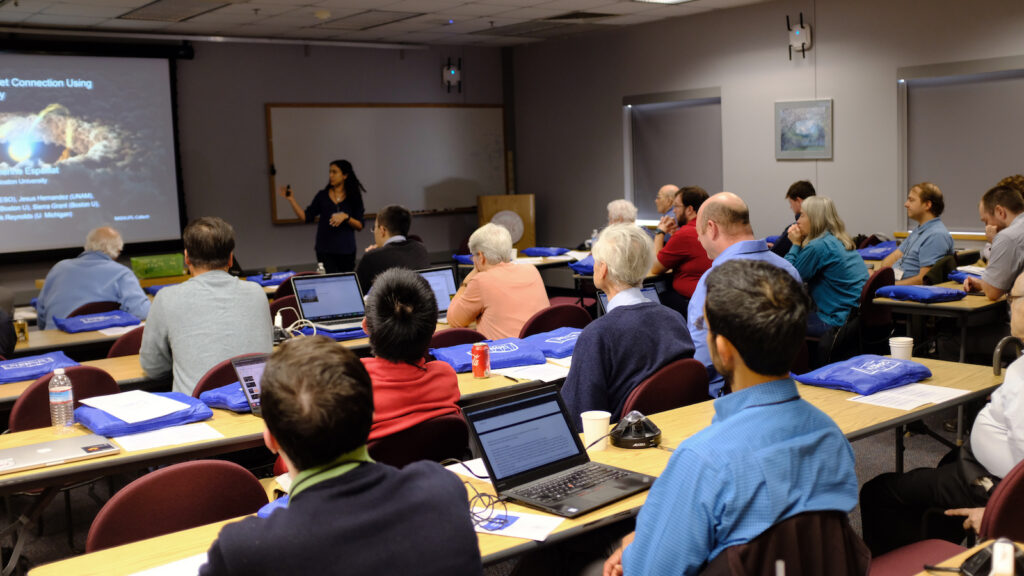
[
  {"x": 498, "y": 295},
  {"x": 893, "y": 506},
  {"x": 1000, "y": 209},
  {"x": 608, "y": 360},
  {"x": 390, "y": 248},
  {"x": 767, "y": 455},
  {"x": 209, "y": 318},
  {"x": 93, "y": 276},
  {"x": 682, "y": 253},
  {"x": 926, "y": 244},
  {"x": 797, "y": 193},
  {"x": 346, "y": 514},
  {"x": 401, "y": 315},
  {"x": 666, "y": 212}
]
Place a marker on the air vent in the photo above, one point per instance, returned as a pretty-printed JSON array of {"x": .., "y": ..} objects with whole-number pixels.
[
  {"x": 367, "y": 20},
  {"x": 173, "y": 10}
]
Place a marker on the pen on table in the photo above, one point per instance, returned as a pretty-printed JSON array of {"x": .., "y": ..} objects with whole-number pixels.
[{"x": 511, "y": 378}]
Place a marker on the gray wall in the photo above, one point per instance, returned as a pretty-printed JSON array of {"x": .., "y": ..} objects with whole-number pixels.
[{"x": 569, "y": 94}]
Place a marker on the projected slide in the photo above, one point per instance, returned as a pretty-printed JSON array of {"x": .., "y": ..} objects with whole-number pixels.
[{"x": 84, "y": 142}]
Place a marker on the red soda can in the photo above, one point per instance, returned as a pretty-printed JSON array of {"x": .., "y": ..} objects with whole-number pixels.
[{"x": 481, "y": 360}]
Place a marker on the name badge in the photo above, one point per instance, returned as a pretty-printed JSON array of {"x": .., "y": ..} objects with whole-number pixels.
[{"x": 898, "y": 272}]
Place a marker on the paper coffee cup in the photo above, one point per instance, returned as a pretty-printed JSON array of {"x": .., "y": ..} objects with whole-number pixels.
[
  {"x": 595, "y": 425},
  {"x": 901, "y": 347}
]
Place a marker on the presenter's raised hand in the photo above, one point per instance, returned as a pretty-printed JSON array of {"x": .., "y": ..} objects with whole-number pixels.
[{"x": 285, "y": 191}]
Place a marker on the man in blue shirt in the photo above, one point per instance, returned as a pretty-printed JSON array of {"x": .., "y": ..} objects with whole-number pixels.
[
  {"x": 723, "y": 228},
  {"x": 768, "y": 455},
  {"x": 926, "y": 244},
  {"x": 94, "y": 276}
]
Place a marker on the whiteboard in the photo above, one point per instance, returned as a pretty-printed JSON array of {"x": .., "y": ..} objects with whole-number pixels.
[{"x": 424, "y": 157}]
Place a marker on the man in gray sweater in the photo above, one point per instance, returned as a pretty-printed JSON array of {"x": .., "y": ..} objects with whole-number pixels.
[{"x": 212, "y": 317}]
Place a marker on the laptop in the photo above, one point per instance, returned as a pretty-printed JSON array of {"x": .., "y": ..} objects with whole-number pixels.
[
  {"x": 651, "y": 289},
  {"x": 332, "y": 302},
  {"x": 442, "y": 282},
  {"x": 249, "y": 371},
  {"x": 535, "y": 457},
  {"x": 54, "y": 452}
]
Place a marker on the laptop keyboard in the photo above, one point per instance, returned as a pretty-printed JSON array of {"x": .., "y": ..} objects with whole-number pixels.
[
  {"x": 557, "y": 488},
  {"x": 336, "y": 325}
]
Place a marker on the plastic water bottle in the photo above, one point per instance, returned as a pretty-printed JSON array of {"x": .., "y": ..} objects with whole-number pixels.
[
  {"x": 593, "y": 238},
  {"x": 62, "y": 402},
  {"x": 320, "y": 268}
]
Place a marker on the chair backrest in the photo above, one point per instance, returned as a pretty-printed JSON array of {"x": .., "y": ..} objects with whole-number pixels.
[
  {"x": 32, "y": 409},
  {"x": 869, "y": 241},
  {"x": 554, "y": 317},
  {"x": 454, "y": 337},
  {"x": 436, "y": 439},
  {"x": 677, "y": 384},
  {"x": 220, "y": 375},
  {"x": 940, "y": 270},
  {"x": 285, "y": 288},
  {"x": 966, "y": 257},
  {"x": 1003, "y": 517},
  {"x": 870, "y": 314},
  {"x": 176, "y": 498},
  {"x": 810, "y": 543},
  {"x": 127, "y": 344},
  {"x": 95, "y": 308},
  {"x": 287, "y": 316}
]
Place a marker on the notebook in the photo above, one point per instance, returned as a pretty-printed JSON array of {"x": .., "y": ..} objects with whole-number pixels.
[
  {"x": 534, "y": 456},
  {"x": 651, "y": 289},
  {"x": 442, "y": 282},
  {"x": 249, "y": 371},
  {"x": 332, "y": 302},
  {"x": 54, "y": 452}
]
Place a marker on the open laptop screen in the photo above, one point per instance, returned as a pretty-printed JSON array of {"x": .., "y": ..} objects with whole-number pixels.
[
  {"x": 442, "y": 282},
  {"x": 250, "y": 371},
  {"x": 330, "y": 297},
  {"x": 648, "y": 291},
  {"x": 523, "y": 435}
]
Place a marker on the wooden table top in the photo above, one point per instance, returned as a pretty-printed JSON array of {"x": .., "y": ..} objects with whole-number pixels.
[
  {"x": 124, "y": 369},
  {"x": 55, "y": 339}
]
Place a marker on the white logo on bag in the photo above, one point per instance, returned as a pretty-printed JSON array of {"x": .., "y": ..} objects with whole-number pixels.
[
  {"x": 503, "y": 348},
  {"x": 563, "y": 339},
  {"x": 872, "y": 367}
]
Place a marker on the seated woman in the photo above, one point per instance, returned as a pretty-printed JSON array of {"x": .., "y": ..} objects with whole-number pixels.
[
  {"x": 498, "y": 295},
  {"x": 611, "y": 358},
  {"x": 824, "y": 255},
  {"x": 401, "y": 315}
]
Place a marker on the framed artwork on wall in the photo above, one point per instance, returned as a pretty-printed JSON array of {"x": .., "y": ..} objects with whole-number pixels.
[{"x": 803, "y": 130}]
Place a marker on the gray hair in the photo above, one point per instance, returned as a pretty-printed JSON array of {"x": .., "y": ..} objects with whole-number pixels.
[
  {"x": 627, "y": 251},
  {"x": 621, "y": 212},
  {"x": 104, "y": 239},
  {"x": 822, "y": 215},
  {"x": 493, "y": 240}
]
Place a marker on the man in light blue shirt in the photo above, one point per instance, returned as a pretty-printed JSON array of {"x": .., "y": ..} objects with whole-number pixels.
[
  {"x": 94, "y": 276},
  {"x": 723, "y": 228},
  {"x": 768, "y": 455},
  {"x": 926, "y": 244}
]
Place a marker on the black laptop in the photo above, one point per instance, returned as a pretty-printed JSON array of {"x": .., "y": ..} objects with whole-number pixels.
[
  {"x": 249, "y": 371},
  {"x": 535, "y": 458},
  {"x": 651, "y": 289}
]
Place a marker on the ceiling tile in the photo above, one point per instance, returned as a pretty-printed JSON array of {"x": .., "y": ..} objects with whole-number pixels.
[
  {"x": 476, "y": 9},
  {"x": 424, "y": 5},
  {"x": 513, "y": 2},
  {"x": 627, "y": 19},
  {"x": 8, "y": 17},
  {"x": 27, "y": 7},
  {"x": 575, "y": 4},
  {"x": 624, "y": 8},
  {"x": 534, "y": 13},
  {"x": 70, "y": 9},
  {"x": 62, "y": 21},
  {"x": 133, "y": 25}
]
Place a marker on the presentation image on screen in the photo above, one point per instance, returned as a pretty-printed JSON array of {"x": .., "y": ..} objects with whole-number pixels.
[
  {"x": 442, "y": 282},
  {"x": 529, "y": 436},
  {"x": 85, "y": 142},
  {"x": 329, "y": 298}
]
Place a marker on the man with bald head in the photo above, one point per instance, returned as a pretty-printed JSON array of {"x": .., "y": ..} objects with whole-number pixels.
[
  {"x": 93, "y": 276},
  {"x": 723, "y": 229},
  {"x": 663, "y": 202}
]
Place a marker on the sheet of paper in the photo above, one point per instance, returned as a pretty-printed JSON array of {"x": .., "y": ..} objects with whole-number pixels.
[
  {"x": 285, "y": 482},
  {"x": 518, "y": 524},
  {"x": 545, "y": 372},
  {"x": 135, "y": 406},
  {"x": 563, "y": 362},
  {"x": 976, "y": 270},
  {"x": 577, "y": 254},
  {"x": 561, "y": 258},
  {"x": 188, "y": 565},
  {"x": 118, "y": 330},
  {"x": 475, "y": 466},
  {"x": 168, "y": 437},
  {"x": 910, "y": 396},
  {"x": 528, "y": 260}
]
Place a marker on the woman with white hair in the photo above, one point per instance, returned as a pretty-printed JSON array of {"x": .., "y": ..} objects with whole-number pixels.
[
  {"x": 609, "y": 359},
  {"x": 498, "y": 295},
  {"x": 824, "y": 255},
  {"x": 621, "y": 212}
]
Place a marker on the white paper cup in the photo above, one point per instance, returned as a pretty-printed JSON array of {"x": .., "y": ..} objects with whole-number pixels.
[
  {"x": 595, "y": 425},
  {"x": 901, "y": 347}
]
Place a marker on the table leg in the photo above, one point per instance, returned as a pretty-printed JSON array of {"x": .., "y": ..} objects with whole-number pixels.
[
  {"x": 899, "y": 431},
  {"x": 963, "y": 340}
]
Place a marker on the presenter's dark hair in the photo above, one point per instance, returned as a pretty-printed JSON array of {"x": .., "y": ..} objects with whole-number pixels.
[
  {"x": 317, "y": 400},
  {"x": 353, "y": 187},
  {"x": 761, "y": 310},
  {"x": 401, "y": 315},
  {"x": 929, "y": 192},
  {"x": 693, "y": 196},
  {"x": 397, "y": 219},
  {"x": 801, "y": 189},
  {"x": 1006, "y": 196},
  {"x": 209, "y": 242}
]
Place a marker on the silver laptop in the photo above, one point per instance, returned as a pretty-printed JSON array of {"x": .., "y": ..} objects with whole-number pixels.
[
  {"x": 332, "y": 302},
  {"x": 442, "y": 282},
  {"x": 249, "y": 371},
  {"x": 54, "y": 452},
  {"x": 534, "y": 456}
]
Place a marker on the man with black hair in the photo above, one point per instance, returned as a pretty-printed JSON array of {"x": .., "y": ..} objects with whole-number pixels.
[
  {"x": 391, "y": 248},
  {"x": 401, "y": 315},
  {"x": 346, "y": 514},
  {"x": 213, "y": 316},
  {"x": 1000, "y": 209},
  {"x": 797, "y": 193},
  {"x": 767, "y": 455}
]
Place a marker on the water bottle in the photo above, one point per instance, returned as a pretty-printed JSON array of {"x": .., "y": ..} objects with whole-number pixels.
[
  {"x": 62, "y": 402},
  {"x": 593, "y": 238},
  {"x": 320, "y": 268}
]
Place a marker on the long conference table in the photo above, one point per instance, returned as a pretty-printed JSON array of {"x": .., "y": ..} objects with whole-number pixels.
[{"x": 856, "y": 420}]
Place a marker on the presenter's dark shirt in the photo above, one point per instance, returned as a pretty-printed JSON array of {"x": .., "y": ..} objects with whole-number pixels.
[
  {"x": 334, "y": 239},
  {"x": 402, "y": 254}
]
